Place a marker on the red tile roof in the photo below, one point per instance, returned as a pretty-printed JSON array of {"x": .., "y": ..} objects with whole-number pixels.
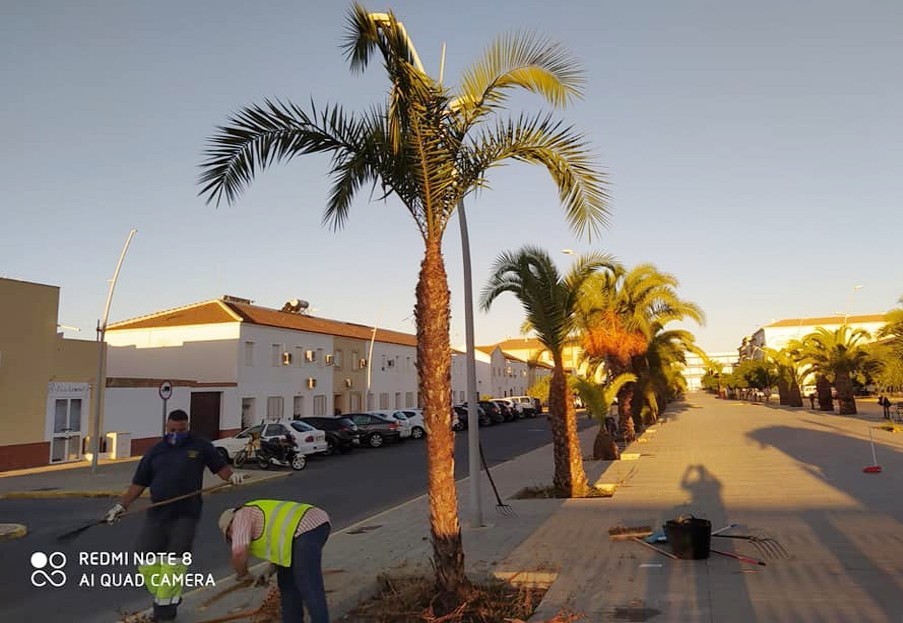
[{"x": 218, "y": 311}]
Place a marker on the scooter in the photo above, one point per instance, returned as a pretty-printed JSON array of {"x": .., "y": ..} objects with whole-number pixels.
[{"x": 281, "y": 452}]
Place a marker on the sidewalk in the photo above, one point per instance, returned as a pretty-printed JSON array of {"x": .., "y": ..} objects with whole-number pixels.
[{"x": 791, "y": 474}]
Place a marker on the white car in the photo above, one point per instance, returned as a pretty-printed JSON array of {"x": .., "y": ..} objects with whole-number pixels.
[
  {"x": 415, "y": 419},
  {"x": 405, "y": 429},
  {"x": 311, "y": 441}
]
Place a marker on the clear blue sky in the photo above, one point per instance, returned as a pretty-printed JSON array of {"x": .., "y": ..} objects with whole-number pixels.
[{"x": 754, "y": 150}]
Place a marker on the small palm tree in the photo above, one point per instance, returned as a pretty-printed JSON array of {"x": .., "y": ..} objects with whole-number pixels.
[
  {"x": 549, "y": 301},
  {"x": 658, "y": 370},
  {"x": 598, "y": 398},
  {"x": 787, "y": 368},
  {"x": 835, "y": 356},
  {"x": 430, "y": 147}
]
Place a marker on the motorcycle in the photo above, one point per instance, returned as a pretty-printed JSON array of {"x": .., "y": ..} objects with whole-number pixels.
[{"x": 282, "y": 451}]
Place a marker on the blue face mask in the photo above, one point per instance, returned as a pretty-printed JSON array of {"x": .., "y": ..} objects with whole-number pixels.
[{"x": 175, "y": 439}]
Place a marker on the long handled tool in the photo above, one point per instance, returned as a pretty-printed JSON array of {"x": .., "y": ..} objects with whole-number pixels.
[
  {"x": 740, "y": 557},
  {"x": 501, "y": 507},
  {"x": 74, "y": 533},
  {"x": 874, "y": 468}
]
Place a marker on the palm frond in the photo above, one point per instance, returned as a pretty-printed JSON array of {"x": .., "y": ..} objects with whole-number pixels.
[
  {"x": 520, "y": 60},
  {"x": 565, "y": 154}
]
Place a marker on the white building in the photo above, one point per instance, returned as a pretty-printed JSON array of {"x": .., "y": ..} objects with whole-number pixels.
[
  {"x": 695, "y": 367},
  {"x": 232, "y": 363},
  {"x": 777, "y": 334}
]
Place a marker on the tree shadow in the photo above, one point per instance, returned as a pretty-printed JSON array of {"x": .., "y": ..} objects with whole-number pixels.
[{"x": 838, "y": 460}]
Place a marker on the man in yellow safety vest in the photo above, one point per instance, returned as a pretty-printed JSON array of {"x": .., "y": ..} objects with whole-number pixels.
[{"x": 291, "y": 536}]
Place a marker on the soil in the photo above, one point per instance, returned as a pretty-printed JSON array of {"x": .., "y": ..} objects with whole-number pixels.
[{"x": 547, "y": 492}]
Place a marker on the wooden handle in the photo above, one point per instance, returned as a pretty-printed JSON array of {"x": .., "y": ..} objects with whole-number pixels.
[{"x": 184, "y": 496}]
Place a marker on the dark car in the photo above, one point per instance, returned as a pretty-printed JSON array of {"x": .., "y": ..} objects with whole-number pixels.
[
  {"x": 538, "y": 403},
  {"x": 342, "y": 434},
  {"x": 375, "y": 429},
  {"x": 493, "y": 411},
  {"x": 461, "y": 412}
]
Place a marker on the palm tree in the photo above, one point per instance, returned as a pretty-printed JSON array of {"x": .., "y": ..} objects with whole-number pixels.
[
  {"x": 835, "y": 356},
  {"x": 549, "y": 301},
  {"x": 598, "y": 398},
  {"x": 429, "y": 147},
  {"x": 786, "y": 365},
  {"x": 658, "y": 370},
  {"x": 619, "y": 313}
]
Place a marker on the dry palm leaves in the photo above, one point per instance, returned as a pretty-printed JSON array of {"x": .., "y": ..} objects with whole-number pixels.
[{"x": 412, "y": 600}]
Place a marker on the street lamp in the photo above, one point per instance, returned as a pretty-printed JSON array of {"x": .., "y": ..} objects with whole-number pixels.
[
  {"x": 101, "y": 376},
  {"x": 473, "y": 432},
  {"x": 846, "y": 314}
]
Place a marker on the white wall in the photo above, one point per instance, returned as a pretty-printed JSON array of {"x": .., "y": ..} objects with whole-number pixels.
[
  {"x": 459, "y": 375},
  {"x": 139, "y": 410},
  {"x": 263, "y": 379},
  {"x": 203, "y": 353},
  {"x": 393, "y": 371}
]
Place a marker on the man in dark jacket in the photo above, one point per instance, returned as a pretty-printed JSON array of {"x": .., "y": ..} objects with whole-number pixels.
[{"x": 171, "y": 468}]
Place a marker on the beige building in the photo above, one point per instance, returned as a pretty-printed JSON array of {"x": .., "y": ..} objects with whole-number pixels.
[{"x": 46, "y": 381}]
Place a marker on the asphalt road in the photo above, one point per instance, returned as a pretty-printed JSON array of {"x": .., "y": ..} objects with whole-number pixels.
[{"x": 349, "y": 487}]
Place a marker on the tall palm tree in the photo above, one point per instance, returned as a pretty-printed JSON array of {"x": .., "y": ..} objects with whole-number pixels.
[
  {"x": 549, "y": 300},
  {"x": 430, "y": 147},
  {"x": 619, "y": 313},
  {"x": 835, "y": 356},
  {"x": 658, "y": 370}
]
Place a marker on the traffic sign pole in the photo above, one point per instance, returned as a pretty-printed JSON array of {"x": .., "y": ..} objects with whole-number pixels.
[{"x": 165, "y": 392}]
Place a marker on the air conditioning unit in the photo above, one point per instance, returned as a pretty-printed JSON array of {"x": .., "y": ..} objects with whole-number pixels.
[
  {"x": 286, "y": 359},
  {"x": 348, "y": 383},
  {"x": 330, "y": 359},
  {"x": 310, "y": 355},
  {"x": 311, "y": 382},
  {"x": 362, "y": 363},
  {"x": 391, "y": 363}
]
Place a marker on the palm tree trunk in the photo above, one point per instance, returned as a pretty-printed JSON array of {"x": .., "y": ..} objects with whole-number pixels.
[
  {"x": 783, "y": 391},
  {"x": 796, "y": 396},
  {"x": 434, "y": 370},
  {"x": 604, "y": 446},
  {"x": 844, "y": 386},
  {"x": 823, "y": 389},
  {"x": 570, "y": 477},
  {"x": 625, "y": 412}
]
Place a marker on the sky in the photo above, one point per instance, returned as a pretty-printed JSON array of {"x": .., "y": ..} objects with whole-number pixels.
[{"x": 752, "y": 149}]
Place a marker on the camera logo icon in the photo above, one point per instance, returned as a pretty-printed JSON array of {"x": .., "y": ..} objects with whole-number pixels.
[{"x": 48, "y": 569}]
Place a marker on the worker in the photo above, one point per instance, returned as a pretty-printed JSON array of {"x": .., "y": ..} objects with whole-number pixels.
[
  {"x": 171, "y": 468},
  {"x": 291, "y": 537}
]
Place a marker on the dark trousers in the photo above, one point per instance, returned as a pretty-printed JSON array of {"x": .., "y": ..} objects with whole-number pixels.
[
  {"x": 302, "y": 584},
  {"x": 171, "y": 534}
]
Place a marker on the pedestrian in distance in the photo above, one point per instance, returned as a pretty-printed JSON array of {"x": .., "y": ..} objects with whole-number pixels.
[
  {"x": 290, "y": 536},
  {"x": 884, "y": 401},
  {"x": 812, "y": 400},
  {"x": 171, "y": 468}
]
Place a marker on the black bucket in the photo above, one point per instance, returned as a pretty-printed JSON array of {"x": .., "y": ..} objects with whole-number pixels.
[{"x": 689, "y": 537}]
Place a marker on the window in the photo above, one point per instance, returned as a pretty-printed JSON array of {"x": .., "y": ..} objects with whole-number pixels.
[
  {"x": 398, "y": 404},
  {"x": 320, "y": 404},
  {"x": 320, "y": 356},
  {"x": 355, "y": 401},
  {"x": 337, "y": 359},
  {"x": 275, "y": 407},
  {"x": 409, "y": 399},
  {"x": 369, "y": 402},
  {"x": 355, "y": 360},
  {"x": 276, "y": 355},
  {"x": 254, "y": 431},
  {"x": 298, "y": 406},
  {"x": 249, "y": 353},
  {"x": 248, "y": 411},
  {"x": 299, "y": 356},
  {"x": 384, "y": 400}
]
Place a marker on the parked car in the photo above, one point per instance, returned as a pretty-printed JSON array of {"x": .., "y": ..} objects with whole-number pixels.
[
  {"x": 508, "y": 408},
  {"x": 229, "y": 446},
  {"x": 311, "y": 434},
  {"x": 538, "y": 404},
  {"x": 526, "y": 405},
  {"x": 375, "y": 429},
  {"x": 489, "y": 413},
  {"x": 405, "y": 429},
  {"x": 342, "y": 435},
  {"x": 415, "y": 419}
]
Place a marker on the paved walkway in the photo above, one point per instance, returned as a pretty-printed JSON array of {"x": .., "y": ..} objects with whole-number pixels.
[{"x": 792, "y": 474}]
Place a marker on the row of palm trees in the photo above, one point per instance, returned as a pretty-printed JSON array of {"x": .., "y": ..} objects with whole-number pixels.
[
  {"x": 833, "y": 359},
  {"x": 431, "y": 146}
]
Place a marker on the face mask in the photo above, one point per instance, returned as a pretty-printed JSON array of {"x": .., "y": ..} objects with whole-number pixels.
[{"x": 175, "y": 439}]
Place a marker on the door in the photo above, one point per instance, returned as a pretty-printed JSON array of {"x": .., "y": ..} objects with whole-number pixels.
[
  {"x": 338, "y": 404},
  {"x": 66, "y": 442},
  {"x": 205, "y": 411}
]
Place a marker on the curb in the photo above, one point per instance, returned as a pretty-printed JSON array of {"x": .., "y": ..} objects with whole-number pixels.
[
  {"x": 108, "y": 493},
  {"x": 10, "y": 531}
]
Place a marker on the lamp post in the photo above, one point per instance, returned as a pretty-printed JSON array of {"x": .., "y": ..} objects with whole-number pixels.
[
  {"x": 101, "y": 371},
  {"x": 473, "y": 433},
  {"x": 846, "y": 313}
]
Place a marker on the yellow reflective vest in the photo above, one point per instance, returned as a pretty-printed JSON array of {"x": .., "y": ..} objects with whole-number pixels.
[{"x": 280, "y": 521}]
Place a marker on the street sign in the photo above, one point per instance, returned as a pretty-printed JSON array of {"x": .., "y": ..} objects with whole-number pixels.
[{"x": 165, "y": 390}]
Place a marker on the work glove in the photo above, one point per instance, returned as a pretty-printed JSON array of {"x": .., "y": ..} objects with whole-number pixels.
[
  {"x": 114, "y": 514},
  {"x": 236, "y": 478},
  {"x": 264, "y": 577}
]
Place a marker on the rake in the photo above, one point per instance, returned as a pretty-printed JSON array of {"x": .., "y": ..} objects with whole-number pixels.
[
  {"x": 768, "y": 547},
  {"x": 501, "y": 507}
]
